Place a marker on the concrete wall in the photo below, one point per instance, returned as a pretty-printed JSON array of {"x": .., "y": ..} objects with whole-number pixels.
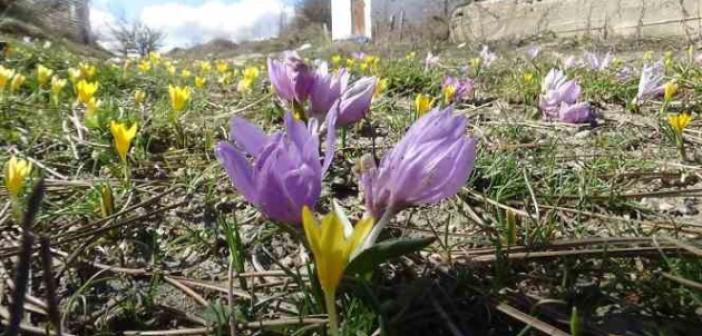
[
  {"x": 517, "y": 19},
  {"x": 419, "y": 17}
]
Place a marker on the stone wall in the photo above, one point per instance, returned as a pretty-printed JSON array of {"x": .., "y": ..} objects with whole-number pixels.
[
  {"x": 68, "y": 18},
  {"x": 411, "y": 19},
  {"x": 518, "y": 19}
]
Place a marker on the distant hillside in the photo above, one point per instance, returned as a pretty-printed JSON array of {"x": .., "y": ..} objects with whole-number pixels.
[{"x": 213, "y": 48}]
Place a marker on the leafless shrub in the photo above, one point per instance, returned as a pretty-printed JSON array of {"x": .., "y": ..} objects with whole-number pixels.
[{"x": 137, "y": 37}]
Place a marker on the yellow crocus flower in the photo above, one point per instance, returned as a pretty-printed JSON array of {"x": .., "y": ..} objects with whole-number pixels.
[
  {"x": 139, "y": 97},
  {"x": 244, "y": 85},
  {"x": 251, "y": 73},
  {"x": 87, "y": 71},
  {"x": 381, "y": 87},
  {"x": 422, "y": 104},
  {"x": 449, "y": 91},
  {"x": 144, "y": 66},
  {"x": 336, "y": 60},
  {"x": 17, "y": 82},
  {"x": 678, "y": 122},
  {"x": 154, "y": 57},
  {"x": 16, "y": 172},
  {"x": 200, "y": 82},
  {"x": 350, "y": 63},
  {"x": 5, "y": 77},
  {"x": 410, "y": 56},
  {"x": 670, "y": 89},
  {"x": 205, "y": 66},
  {"x": 185, "y": 73},
  {"x": 179, "y": 97},
  {"x": 475, "y": 62},
  {"x": 222, "y": 67},
  {"x": 225, "y": 79},
  {"x": 528, "y": 77},
  {"x": 91, "y": 107},
  {"x": 74, "y": 75},
  {"x": 333, "y": 243},
  {"x": 43, "y": 74},
  {"x": 171, "y": 69},
  {"x": 57, "y": 85},
  {"x": 86, "y": 90},
  {"x": 122, "y": 137}
]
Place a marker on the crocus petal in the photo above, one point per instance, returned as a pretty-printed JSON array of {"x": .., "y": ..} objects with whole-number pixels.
[
  {"x": 238, "y": 169},
  {"x": 280, "y": 81},
  {"x": 247, "y": 135},
  {"x": 331, "y": 139},
  {"x": 356, "y": 100},
  {"x": 575, "y": 113}
]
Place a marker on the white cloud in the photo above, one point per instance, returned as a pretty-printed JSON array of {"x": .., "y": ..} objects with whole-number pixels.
[
  {"x": 101, "y": 23},
  {"x": 186, "y": 25}
]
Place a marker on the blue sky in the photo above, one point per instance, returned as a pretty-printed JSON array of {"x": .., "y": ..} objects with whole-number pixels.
[{"x": 189, "y": 22}]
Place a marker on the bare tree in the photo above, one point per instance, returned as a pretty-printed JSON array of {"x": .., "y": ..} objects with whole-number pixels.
[
  {"x": 137, "y": 37},
  {"x": 313, "y": 12}
]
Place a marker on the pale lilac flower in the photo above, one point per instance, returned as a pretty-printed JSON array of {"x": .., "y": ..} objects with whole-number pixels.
[
  {"x": 625, "y": 74},
  {"x": 292, "y": 78},
  {"x": 355, "y": 101},
  {"x": 487, "y": 56},
  {"x": 651, "y": 82},
  {"x": 431, "y": 163},
  {"x": 430, "y": 61},
  {"x": 279, "y": 173},
  {"x": 326, "y": 90},
  {"x": 459, "y": 88},
  {"x": 597, "y": 63},
  {"x": 359, "y": 55},
  {"x": 554, "y": 79},
  {"x": 570, "y": 62},
  {"x": 533, "y": 51},
  {"x": 558, "y": 99}
]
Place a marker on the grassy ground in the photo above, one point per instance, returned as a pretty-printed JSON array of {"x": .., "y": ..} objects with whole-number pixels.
[{"x": 561, "y": 229}]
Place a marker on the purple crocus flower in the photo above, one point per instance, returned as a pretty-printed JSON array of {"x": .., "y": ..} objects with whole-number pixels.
[
  {"x": 292, "y": 78},
  {"x": 431, "y": 163},
  {"x": 558, "y": 100},
  {"x": 463, "y": 88},
  {"x": 597, "y": 63},
  {"x": 285, "y": 171},
  {"x": 651, "y": 82},
  {"x": 487, "y": 57},
  {"x": 355, "y": 101},
  {"x": 326, "y": 90}
]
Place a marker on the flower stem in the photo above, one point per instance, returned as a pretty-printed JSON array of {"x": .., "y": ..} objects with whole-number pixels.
[
  {"x": 343, "y": 139},
  {"x": 330, "y": 302},
  {"x": 377, "y": 228},
  {"x": 16, "y": 209},
  {"x": 681, "y": 147},
  {"x": 127, "y": 177}
]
